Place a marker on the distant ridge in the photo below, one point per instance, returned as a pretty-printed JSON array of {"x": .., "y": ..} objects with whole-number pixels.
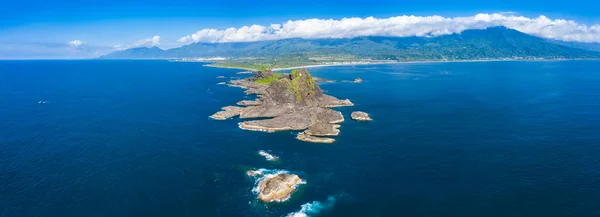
[
  {"x": 490, "y": 43},
  {"x": 138, "y": 53},
  {"x": 580, "y": 45}
]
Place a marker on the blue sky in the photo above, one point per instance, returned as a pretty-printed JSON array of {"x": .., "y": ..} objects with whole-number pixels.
[{"x": 43, "y": 29}]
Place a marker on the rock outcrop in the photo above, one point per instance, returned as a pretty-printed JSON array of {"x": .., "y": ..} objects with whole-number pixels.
[
  {"x": 254, "y": 173},
  {"x": 249, "y": 102},
  {"x": 360, "y": 116},
  {"x": 227, "y": 112},
  {"x": 303, "y": 136},
  {"x": 293, "y": 101}
]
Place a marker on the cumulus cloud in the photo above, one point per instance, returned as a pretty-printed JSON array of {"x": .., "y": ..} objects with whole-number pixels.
[
  {"x": 400, "y": 26},
  {"x": 76, "y": 43},
  {"x": 154, "y": 41}
]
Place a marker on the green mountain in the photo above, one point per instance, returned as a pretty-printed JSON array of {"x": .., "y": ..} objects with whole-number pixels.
[
  {"x": 138, "y": 53},
  {"x": 490, "y": 43},
  {"x": 579, "y": 45}
]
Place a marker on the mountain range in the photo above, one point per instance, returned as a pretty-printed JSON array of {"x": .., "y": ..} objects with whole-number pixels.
[{"x": 490, "y": 43}]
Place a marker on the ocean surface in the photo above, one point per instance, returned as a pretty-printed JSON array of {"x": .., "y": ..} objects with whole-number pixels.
[{"x": 133, "y": 138}]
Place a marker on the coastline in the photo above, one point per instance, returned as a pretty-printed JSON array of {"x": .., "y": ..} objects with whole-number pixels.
[
  {"x": 382, "y": 63},
  {"x": 226, "y": 67}
]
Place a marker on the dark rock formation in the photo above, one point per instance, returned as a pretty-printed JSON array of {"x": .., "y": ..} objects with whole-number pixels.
[{"x": 263, "y": 74}]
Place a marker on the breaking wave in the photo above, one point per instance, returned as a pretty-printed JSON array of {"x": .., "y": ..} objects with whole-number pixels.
[
  {"x": 314, "y": 208},
  {"x": 268, "y": 156}
]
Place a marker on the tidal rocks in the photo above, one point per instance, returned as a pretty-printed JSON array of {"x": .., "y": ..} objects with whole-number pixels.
[
  {"x": 294, "y": 119},
  {"x": 339, "y": 103},
  {"x": 278, "y": 188},
  {"x": 323, "y": 129},
  {"x": 254, "y": 173},
  {"x": 314, "y": 139},
  {"x": 293, "y": 102},
  {"x": 360, "y": 116},
  {"x": 249, "y": 102},
  {"x": 227, "y": 112}
]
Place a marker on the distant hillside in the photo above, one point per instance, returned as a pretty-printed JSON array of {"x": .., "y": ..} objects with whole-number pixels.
[
  {"x": 579, "y": 45},
  {"x": 491, "y": 43},
  {"x": 138, "y": 53}
]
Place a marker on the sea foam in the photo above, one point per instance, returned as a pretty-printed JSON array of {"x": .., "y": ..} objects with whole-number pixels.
[
  {"x": 268, "y": 156},
  {"x": 313, "y": 208}
]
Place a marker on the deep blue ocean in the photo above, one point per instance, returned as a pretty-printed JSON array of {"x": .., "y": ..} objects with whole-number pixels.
[{"x": 133, "y": 138}]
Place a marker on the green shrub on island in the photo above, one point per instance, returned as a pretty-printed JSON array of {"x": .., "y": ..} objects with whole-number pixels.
[
  {"x": 295, "y": 86},
  {"x": 264, "y": 68},
  {"x": 270, "y": 79}
]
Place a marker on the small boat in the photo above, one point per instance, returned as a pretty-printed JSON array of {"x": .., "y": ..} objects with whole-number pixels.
[{"x": 41, "y": 102}]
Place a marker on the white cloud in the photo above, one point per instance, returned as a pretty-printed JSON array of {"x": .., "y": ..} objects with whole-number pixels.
[
  {"x": 146, "y": 42},
  {"x": 76, "y": 43},
  {"x": 542, "y": 26}
]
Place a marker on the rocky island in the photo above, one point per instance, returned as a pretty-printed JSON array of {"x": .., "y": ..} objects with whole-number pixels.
[
  {"x": 291, "y": 101},
  {"x": 278, "y": 187},
  {"x": 274, "y": 185},
  {"x": 360, "y": 116}
]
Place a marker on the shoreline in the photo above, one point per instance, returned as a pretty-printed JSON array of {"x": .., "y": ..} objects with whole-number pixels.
[
  {"x": 225, "y": 67},
  {"x": 385, "y": 63}
]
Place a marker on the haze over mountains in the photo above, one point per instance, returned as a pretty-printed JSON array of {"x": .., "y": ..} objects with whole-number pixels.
[{"x": 490, "y": 43}]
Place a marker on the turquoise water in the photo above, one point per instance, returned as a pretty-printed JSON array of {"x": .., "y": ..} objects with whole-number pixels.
[{"x": 133, "y": 138}]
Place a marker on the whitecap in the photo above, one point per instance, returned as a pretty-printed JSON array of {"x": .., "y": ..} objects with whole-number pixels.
[
  {"x": 251, "y": 129},
  {"x": 313, "y": 208},
  {"x": 268, "y": 156}
]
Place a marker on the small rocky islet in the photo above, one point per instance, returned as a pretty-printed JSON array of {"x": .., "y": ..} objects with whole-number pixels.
[
  {"x": 274, "y": 187},
  {"x": 278, "y": 187},
  {"x": 291, "y": 101},
  {"x": 360, "y": 116}
]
